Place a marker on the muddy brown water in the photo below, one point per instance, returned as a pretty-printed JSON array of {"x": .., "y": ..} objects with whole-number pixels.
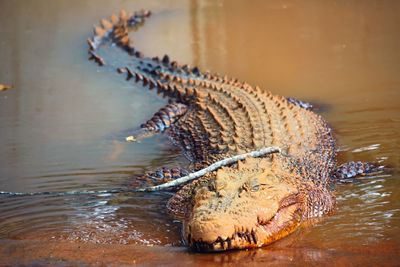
[{"x": 57, "y": 125}]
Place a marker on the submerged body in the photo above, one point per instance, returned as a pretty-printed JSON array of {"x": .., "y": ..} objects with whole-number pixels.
[{"x": 211, "y": 117}]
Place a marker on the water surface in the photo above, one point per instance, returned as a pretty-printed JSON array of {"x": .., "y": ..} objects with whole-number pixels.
[{"x": 56, "y": 126}]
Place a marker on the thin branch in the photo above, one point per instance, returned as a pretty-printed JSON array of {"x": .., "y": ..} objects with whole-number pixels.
[{"x": 257, "y": 153}]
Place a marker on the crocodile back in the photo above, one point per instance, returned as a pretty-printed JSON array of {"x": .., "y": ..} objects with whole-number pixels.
[{"x": 227, "y": 117}]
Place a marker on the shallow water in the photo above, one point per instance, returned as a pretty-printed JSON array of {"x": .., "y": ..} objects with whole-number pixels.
[{"x": 56, "y": 125}]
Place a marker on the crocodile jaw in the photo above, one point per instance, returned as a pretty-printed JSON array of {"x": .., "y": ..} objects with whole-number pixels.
[{"x": 221, "y": 234}]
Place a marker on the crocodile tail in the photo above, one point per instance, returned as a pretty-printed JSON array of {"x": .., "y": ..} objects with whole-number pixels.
[
  {"x": 116, "y": 31},
  {"x": 112, "y": 46}
]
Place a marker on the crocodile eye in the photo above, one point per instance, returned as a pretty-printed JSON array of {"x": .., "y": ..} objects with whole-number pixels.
[
  {"x": 250, "y": 187},
  {"x": 254, "y": 185},
  {"x": 255, "y": 188}
]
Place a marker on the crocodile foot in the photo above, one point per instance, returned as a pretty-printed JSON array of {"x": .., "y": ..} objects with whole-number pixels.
[
  {"x": 166, "y": 174},
  {"x": 159, "y": 176},
  {"x": 346, "y": 172},
  {"x": 300, "y": 103},
  {"x": 161, "y": 121}
]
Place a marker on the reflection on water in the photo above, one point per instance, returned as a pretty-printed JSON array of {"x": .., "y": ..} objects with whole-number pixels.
[{"x": 55, "y": 125}]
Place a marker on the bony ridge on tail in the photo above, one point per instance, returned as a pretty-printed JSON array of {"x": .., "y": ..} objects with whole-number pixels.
[{"x": 211, "y": 117}]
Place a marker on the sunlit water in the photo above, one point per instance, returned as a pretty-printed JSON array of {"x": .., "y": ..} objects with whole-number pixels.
[{"x": 57, "y": 125}]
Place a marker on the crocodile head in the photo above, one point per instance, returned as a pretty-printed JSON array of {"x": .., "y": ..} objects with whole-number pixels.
[{"x": 245, "y": 206}]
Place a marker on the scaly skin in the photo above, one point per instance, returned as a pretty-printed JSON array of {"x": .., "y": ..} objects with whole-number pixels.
[{"x": 254, "y": 202}]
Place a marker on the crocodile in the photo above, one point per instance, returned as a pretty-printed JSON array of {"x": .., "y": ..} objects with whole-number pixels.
[{"x": 253, "y": 202}]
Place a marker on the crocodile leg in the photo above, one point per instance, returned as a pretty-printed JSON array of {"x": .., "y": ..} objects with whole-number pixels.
[
  {"x": 159, "y": 176},
  {"x": 300, "y": 103},
  {"x": 161, "y": 121},
  {"x": 166, "y": 174},
  {"x": 346, "y": 172}
]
